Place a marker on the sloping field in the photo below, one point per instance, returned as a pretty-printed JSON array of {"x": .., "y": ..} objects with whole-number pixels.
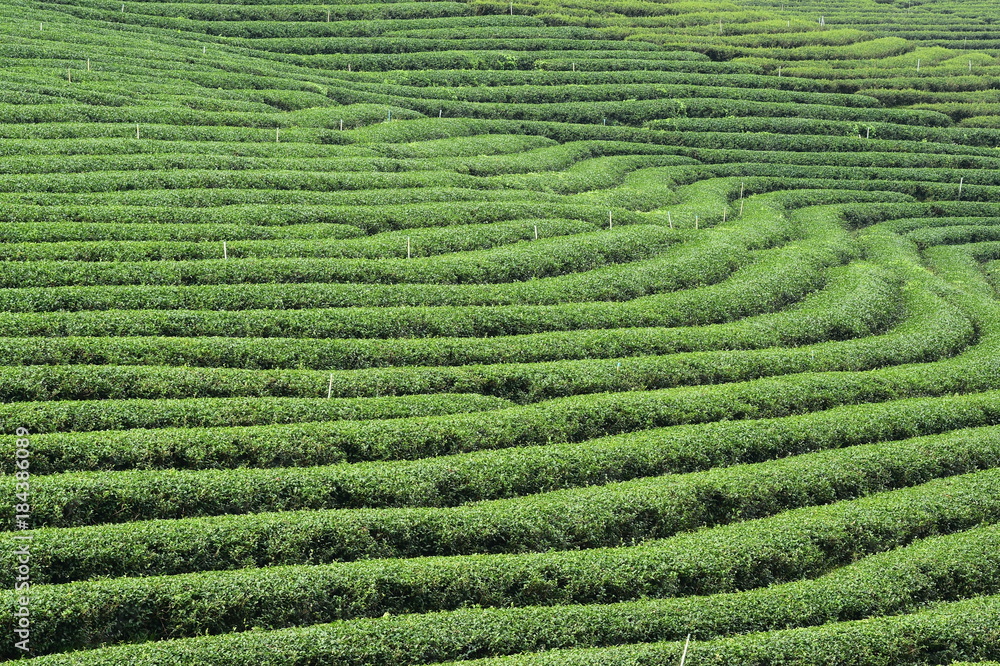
[{"x": 544, "y": 332}]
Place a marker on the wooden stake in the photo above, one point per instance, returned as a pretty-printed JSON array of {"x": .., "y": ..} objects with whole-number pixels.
[
  {"x": 961, "y": 181},
  {"x": 225, "y": 251},
  {"x": 203, "y": 49},
  {"x": 277, "y": 134},
  {"x": 137, "y": 130},
  {"x": 574, "y": 66},
  {"x": 536, "y": 232},
  {"x": 609, "y": 219},
  {"x": 123, "y": 8},
  {"x": 741, "y": 206},
  {"x": 348, "y": 67},
  {"x": 329, "y": 390},
  {"x": 779, "y": 70},
  {"x": 741, "y": 189},
  {"x": 724, "y": 211},
  {"x": 669, "y": 220},
  {"x": 970, "y": 65},
  {"x": 918, "y": 64},
  {"x": 341, "y": 124},
  {"x": 69, "y": 74},
  {"x": 88, "y": 64},
  {"x": 328, "y": 16},
  {"x": 440, "y": 112},
  {"x": 408, "y": 256},
  {"x": 685, "y": 653},
  {"x": 512, "y": 8}
]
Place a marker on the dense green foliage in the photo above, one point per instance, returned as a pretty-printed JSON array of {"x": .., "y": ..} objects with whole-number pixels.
[{"x": 545, "y": 331}]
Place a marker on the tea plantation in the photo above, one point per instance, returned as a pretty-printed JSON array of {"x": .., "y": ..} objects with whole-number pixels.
[{"x": 533, "y": 332}]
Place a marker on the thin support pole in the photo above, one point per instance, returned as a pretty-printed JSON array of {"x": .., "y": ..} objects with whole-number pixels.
[{"x": 685, "y": 653}]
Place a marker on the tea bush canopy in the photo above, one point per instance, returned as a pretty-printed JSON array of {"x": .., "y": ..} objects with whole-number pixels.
[{"x": 491, "y": 332}]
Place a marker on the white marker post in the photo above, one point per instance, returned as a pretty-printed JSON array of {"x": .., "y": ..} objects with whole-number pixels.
[
  {"x": 69, "y": 75},
  {"x": 695, "y": 221},
  {"x": 741, "y": 189},
  {"x": 961, "y": 181},
  {"x": 137, "y": 130},
  {"x": 88, "y": 64},
  {"x": 918, "y": 64},
  {"x": 609, "y": 219},
  {"x": 741, "y": 206},
  {"x": 868, "y": 132},
  {"x": 408, "y": 255},
  {"x": 341, "y": 124},
  {"x": 724, "y": 211},
  {"x": 536, "y": 232},
  {"x": 329, "y": 390},
  {"x": 670, "y": 220},
  {"x": 277, "y": 134},
  {"x": 685, "y": 653},
  {"x": 225, "y": 250},
  {"x": 328, "y": 16}
]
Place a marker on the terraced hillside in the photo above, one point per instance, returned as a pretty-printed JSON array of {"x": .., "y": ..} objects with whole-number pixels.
[{"x": 544, "y": 332}]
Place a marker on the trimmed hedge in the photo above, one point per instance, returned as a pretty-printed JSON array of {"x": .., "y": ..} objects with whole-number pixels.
[
  {"x": 747, "y": 555},
  {"x": 945, "y": 568}
]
